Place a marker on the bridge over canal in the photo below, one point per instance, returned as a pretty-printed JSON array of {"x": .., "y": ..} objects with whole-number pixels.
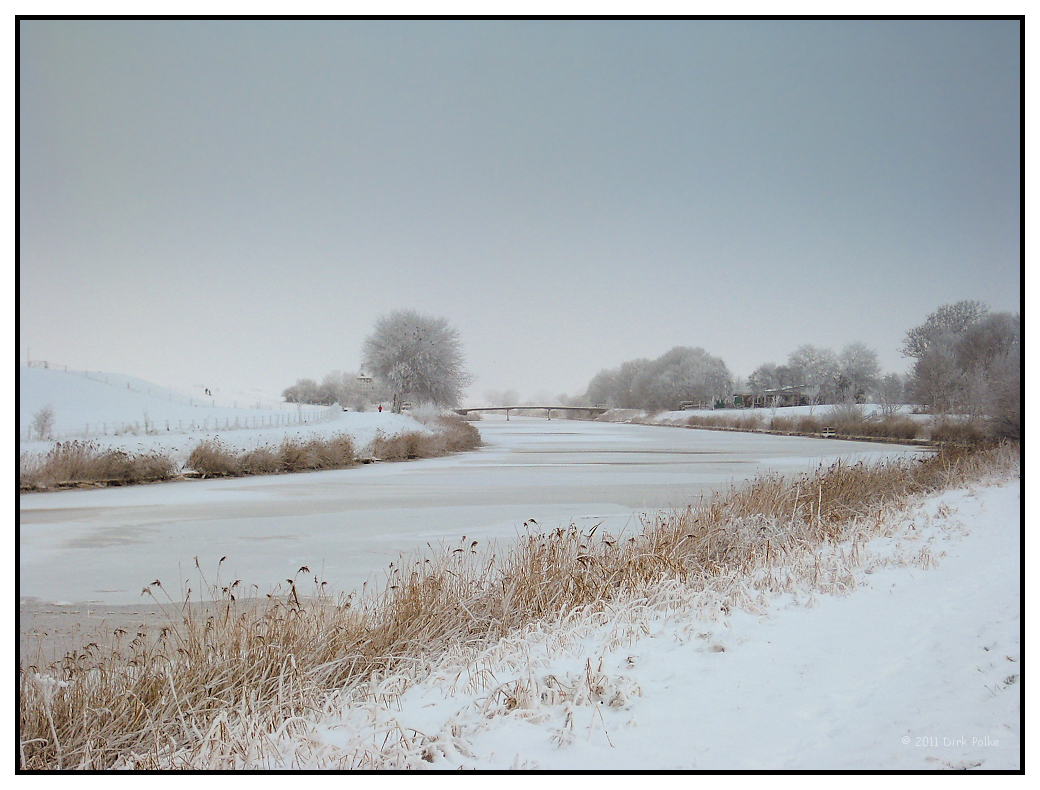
[{"x": 590, "y": 410}]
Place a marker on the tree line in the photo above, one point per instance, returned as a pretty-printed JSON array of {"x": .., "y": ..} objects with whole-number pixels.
[{"x": 967, "y": 360}]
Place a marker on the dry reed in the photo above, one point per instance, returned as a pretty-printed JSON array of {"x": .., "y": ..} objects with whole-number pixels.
[
  {"x": 846, "y": 424},
  {"x": 84, "y": 463},
  {"x": 222, "y": 681},
  {"x": 453, "y": 434}
]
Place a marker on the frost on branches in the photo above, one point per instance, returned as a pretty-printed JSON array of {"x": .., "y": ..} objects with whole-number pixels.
[{"x": 418, "y": 357}]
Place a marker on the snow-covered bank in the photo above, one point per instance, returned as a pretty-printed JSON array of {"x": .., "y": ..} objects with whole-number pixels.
[
  {"x": 87, "y": 404},
  {"x": 918, "y": 667},
  {"x": 819, "y": 411},
  {"x": 92, "y": 406}
]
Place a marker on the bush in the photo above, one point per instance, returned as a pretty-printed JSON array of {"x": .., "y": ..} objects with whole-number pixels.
[
  {"x": 459, "y": 435},
  {"x": 455, "y": 435},
  {"x": 744, "y": 422},
  {"x": 403, "y": 446},
  {"x": 808, "y": 424},
  {"x": 263, "y": 460},
  {"x": 892, "y": 426},
  {"x": 212, "y": 458}
]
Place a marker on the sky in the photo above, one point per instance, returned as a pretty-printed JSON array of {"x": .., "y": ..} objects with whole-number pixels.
[{"x": 235, "y": 203}]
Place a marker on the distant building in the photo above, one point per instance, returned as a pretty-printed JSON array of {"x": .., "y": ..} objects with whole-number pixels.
[{"x": 787, "y": 396}]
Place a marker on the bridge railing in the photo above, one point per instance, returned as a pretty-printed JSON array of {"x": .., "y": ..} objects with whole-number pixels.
[{"x": 548, "y": 409}]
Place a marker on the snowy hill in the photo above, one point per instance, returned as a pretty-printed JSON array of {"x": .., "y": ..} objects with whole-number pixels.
[
  {"x": 136, "y": 415},
  {"x": 100, "y": 404}
]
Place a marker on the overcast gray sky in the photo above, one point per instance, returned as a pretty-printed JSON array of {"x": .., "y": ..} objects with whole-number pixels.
[{"x": 235, "y": 203}]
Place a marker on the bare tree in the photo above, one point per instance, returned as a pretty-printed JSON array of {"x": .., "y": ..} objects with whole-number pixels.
[
  {"x": 891, "y": 393},
  {"x": 417, "y": 356},
  {"x": 938, "y": 380},
  {"x": 1005, "y": 396},
  {"x": 970, "y": 361},
  {"x": 43, "y": 422}
]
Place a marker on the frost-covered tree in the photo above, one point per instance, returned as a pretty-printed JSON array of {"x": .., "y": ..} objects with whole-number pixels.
[
  {"x": 418, "y": 357},
  {"x": 938, "y": 379},
  {"x": 969, "y": 361},
  {"x": 816, "y": 369},
  {"x": 1005, "y": 395},
  {"x": 682, "y": 374},
  {"x": 858, "y": 371},
  {"x": 987, "y": 339},
  {"x": 601, "y": 388},
  {"x": 43, "y": 422},
  {"x": 948, "y": 319},
  {"x": 762, "y": 378},
  {"x": 303, "y": 391},
  {"x": 989, "y": 353}
]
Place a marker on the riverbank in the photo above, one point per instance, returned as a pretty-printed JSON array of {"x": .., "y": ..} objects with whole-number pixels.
[
  {"x": 808, "y": 546},
  {"x": 103, "y": 545},
  {"x": 92, "y": 464},
  {"x": 844, "y": 422}
]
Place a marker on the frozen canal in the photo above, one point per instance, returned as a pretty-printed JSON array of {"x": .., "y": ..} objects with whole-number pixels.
[{"x": 348, "y": 525}]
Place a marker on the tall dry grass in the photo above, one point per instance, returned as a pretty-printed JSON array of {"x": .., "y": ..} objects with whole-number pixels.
[
  {"x": 221, "y": 683},
  {"x": 85, "y": 463},
  {"x": 81, "y": 462},
  {"x": 453, "y": 434},
  {"x": 212, "y": 458},
  {"x": 846, "y": 423},
  {"x": 744, "y": 422}
]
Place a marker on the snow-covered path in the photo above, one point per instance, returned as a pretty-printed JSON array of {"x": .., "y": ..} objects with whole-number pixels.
[{"x": 918, "y": 668}]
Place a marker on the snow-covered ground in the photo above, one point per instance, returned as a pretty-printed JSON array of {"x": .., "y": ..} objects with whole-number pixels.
[
  {"x": 917, "y": 668},
  {"x": 137, "y": 416}
]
